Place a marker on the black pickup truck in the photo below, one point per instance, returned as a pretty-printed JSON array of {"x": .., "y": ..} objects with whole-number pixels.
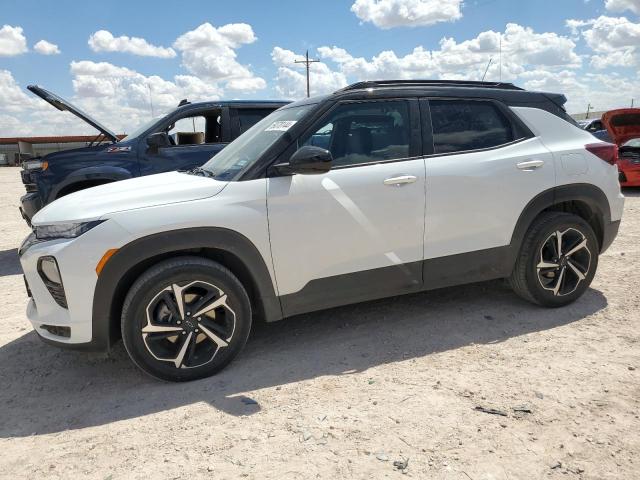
[{"x": 183, "y": 139}]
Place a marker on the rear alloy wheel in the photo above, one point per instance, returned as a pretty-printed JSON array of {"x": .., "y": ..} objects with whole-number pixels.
[
  {"x": 564, "y": 262},
  {"x": 557, "y": 260},
  {"x": 185, "y": 318}
]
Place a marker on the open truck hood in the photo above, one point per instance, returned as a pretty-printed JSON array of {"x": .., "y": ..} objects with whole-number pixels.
[
  {"x": 63, "y": 105},
  {"x": 622, "y": 124}
]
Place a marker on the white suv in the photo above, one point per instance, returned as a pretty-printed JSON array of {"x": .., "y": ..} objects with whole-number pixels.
[{"x": 380, "y": 189}]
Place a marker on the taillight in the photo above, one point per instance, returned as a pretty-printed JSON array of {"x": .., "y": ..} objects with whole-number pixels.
[{"x": 605, "y": 151}]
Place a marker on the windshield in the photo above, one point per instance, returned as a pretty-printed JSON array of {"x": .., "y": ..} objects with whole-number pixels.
[
  {"x": 634, "y": 142},
  {"x": 251, "y": 144},
  {"x": 142, "y": 128}
]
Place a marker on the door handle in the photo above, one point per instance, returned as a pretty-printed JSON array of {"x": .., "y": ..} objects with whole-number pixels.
[
  {"x": 400, "y": 180},
  {"x": 530, "y": 165}
]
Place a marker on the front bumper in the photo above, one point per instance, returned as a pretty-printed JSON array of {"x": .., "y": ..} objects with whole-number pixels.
[
  {"x": 76, "y": 259},
  {"x": 29, "y": 205}
]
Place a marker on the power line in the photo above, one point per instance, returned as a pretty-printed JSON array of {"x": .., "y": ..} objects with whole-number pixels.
[{"x": 307, "y": 62}]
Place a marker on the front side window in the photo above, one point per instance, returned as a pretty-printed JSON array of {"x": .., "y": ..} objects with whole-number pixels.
[
  {"x": 461, "y": 125},
  {"x": 188, "y": 131},
  {"x": 357, "y": 133},
  {"x": 196, "y": 129}
]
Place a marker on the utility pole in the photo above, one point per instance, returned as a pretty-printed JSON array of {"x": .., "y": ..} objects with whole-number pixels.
[
  {"x": 307, "y": 62},
  {"x": 589, "y": 107},
  {"x": 632, "y": 103}
]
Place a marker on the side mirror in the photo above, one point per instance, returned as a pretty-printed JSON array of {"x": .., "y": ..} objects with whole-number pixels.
[
  {"x": 307, "y": 160},
  {"x": 158, "y": 140}
]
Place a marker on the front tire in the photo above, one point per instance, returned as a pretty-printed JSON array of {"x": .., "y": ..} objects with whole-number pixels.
[
  {"x": 185, "y": 319},
  {"x": 557, "y": 260}
]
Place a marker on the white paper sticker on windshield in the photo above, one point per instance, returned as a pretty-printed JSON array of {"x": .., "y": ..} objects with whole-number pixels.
[{"x": 281, "y": 126}]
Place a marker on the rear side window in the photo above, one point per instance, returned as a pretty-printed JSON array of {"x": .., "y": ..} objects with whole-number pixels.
[
  {"x": 248, "y": 117},
  {"x": 461, "y": 125}
]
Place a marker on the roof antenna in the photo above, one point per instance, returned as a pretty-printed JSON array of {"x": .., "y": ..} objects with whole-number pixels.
[
  {"x": 486, "y": 69},
  {"x": 150, "y": 101},
  {"x": 184, "y": 101}
]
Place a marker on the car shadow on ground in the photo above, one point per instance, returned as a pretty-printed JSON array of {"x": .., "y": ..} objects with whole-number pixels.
[
  {"x": 9, "y": 262},
  {"x": 47, "y": 390}
]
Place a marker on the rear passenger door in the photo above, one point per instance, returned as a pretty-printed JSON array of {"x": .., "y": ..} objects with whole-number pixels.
[{"x": 483, "y": 166}]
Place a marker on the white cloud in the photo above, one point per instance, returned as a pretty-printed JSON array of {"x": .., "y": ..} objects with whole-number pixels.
[
  {"x": 614, "y": 40},
  {"x": 23, "y": 114},
  {"x": 406, "y": 13},
  {"x": 12, "y": 97},
  {"x": 104, "y": 41},
  {"x": 46, "y": 48},
  {"x": 622, "y": 5},
  {"x": 210, "y": 53},
  {"x": 12, "y": 41},
  {"x": 120, "y": 87},
  {"x": 522, "y": 49},
  {"x": 118, "y": 97}
]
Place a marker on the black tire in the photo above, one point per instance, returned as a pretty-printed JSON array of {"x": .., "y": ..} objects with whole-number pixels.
[
  {"x": 550, "y": 286},
  {"x": 198, "y": 283}
]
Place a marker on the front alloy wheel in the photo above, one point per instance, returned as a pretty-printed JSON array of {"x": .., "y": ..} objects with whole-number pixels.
[
  {"x": 185, "y": 318},
  {"x": 188, "y": 324}
]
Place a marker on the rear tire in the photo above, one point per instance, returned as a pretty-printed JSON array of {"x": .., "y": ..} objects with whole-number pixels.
[
  {"x": 185, "y": 319},
  {"x": 557, "y": 260}
]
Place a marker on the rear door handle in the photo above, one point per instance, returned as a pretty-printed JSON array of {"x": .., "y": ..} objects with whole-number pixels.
[
  {"x": 400, "y": 180},
  {"x": 530, "y": 165}
]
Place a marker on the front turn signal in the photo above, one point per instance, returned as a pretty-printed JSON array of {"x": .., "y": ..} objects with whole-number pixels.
[{"x": 105, "y": 258}]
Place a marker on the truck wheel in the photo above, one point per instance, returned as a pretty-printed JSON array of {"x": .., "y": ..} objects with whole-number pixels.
[
  {"x": 557, "y": 260},
  {"x": 185, "y": 318}
]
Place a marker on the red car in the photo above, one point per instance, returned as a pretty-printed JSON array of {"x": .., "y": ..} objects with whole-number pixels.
[{"x": 623, "y": 126}]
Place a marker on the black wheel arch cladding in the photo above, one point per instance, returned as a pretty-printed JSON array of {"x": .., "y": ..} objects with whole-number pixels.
[{"x": 130, "y": 261}]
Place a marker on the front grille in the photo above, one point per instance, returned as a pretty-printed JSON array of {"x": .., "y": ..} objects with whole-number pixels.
[{"x": 31, "y": 187}]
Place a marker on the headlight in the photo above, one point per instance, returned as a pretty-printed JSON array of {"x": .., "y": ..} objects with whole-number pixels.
[
  {"x": 64, "y": 230},
  {"x": 35, "y": 164}
]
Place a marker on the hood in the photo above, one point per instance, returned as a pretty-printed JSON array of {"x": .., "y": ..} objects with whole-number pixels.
[
  {"x": 140, "y": 192},
  {"x": 622, "y": 124},
  {"x": 63, "y": 105}
]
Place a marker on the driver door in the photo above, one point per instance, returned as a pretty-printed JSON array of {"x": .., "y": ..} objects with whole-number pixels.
[{"x": 356, "y": 232}]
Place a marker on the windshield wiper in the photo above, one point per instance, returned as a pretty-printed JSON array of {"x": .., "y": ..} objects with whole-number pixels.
[{"x": 200, "y": 172}]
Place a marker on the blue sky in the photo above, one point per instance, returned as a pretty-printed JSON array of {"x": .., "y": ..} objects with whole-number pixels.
[{"x": 586, "y": 49}]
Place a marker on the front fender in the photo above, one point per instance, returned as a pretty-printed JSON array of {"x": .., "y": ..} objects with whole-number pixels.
[{"x": 131, "y": 260}]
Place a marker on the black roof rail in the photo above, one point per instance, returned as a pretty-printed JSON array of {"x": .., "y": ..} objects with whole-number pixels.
[{"x": 429, "y": 83}]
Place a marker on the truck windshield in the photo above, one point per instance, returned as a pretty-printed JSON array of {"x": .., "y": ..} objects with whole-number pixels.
[
  {"x": 142, "y": 128},
  {"x": 251, "y": 144}
]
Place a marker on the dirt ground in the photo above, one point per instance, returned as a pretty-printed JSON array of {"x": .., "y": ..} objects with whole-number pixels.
[{"x": 345, "y": 393}]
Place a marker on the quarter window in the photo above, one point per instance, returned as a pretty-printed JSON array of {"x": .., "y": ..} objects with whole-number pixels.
[
  {"x": 460, "y": 125},
  {"x": 367, "y": 132}
]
